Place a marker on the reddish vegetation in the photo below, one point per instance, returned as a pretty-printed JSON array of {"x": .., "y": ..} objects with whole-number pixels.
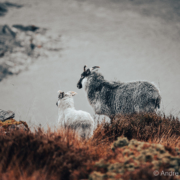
[
  {"x": 62, "y": 155},
  {"x": 141, "y": 127}
]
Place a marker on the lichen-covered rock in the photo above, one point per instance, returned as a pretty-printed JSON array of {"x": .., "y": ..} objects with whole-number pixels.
[
  {"x": 141, "y": 158},
  {"x": 120, "y": 142},
  {"x": 173, "y": 163},
  {"x": 165, "y": 160},
  {"x": 156, "y": 164},
  {"x": 128, "y": 152},
  {"x": 111, "y": 174},
  {"x": 97, "y": 176},
  {"x": 133, "y": 155},
  {"x": 165, "y": 155},
  {"x": 17, "y": 127},
  {"x": 148, "y": 157},
  {"x": 134, "y": 142},
  {"x": 160, "y": 148},
  {"x": 101, "y": 163},
  {"x": 12, "y": 124},
  {"x": 115, "y": 167}
]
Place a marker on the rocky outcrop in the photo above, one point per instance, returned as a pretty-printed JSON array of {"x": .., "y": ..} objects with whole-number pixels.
[
  {"x": 4, "y": 115},
  {"x": 7, "y": 122},
  {"x": 4, "y": 7}
]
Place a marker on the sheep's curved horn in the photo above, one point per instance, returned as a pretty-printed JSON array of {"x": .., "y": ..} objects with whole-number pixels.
[
  {"x": 85, "y": 68},
  {"x": 94, "y": 67}
]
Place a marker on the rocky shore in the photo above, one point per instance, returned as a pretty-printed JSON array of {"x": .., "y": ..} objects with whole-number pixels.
[{"x": 21, "y": 45}]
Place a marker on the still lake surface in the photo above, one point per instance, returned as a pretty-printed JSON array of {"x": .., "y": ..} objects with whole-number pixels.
[{"x": 129, "y": 41}]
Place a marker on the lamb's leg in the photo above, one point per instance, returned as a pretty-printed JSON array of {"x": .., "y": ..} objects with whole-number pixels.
[
  {"x": 136, "y": 108},
  {"x": 150, "y": 108},
  {"x": 112, "y": 118},
  {"x": 97, "y": 108}
]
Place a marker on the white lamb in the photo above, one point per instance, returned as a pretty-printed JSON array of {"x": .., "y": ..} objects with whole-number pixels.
[{"x": 69, "y": 117}]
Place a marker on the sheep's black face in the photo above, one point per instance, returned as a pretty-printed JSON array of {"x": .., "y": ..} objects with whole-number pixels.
[
  {"x": 60, "y": 96},
  {"x": 83, "y": 75}
]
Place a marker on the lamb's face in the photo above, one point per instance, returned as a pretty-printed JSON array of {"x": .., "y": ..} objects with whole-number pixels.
[
  {"x": 64, "y": 97},
  {"x": 84, "y": 75}
]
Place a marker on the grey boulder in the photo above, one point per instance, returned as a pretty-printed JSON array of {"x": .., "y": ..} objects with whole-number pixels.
[{"x": 4, "y": 115}]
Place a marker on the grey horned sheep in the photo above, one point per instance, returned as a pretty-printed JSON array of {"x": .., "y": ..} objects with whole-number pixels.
[{"x": 112, "y": 98}]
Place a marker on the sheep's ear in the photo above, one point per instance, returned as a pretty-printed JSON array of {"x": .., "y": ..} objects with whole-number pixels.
[
  {"x": 88, "y": 72},
  {"x": 73, "y": 93}
]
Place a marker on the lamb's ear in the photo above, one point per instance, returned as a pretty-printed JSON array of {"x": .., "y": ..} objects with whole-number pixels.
[
  {"x": 61, "y": 94},
  {"x": 73, "y": 93},
  {"x": 59, "y": 91}
]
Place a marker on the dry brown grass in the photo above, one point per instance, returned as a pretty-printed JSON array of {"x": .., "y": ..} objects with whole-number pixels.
[{"x": 63, "y": 155}]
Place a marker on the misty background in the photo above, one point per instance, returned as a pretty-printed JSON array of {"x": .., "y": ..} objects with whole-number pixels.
[{"x": 130, "y": 40}]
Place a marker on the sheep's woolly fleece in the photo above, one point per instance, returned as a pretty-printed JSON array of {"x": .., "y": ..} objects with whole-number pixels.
[{"x": 112, "y": 98}]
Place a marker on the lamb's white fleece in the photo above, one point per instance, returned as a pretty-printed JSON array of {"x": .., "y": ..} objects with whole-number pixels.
[{"x": 68, "y": 116}]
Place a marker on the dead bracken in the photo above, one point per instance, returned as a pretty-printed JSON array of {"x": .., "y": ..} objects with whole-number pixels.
[{"x": 122, "y": 150}]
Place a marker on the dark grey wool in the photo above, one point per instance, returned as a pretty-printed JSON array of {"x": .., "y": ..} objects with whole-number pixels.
[{"x": 112, "y": 98}]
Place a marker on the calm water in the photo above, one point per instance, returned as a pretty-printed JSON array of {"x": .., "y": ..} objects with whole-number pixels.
[{"x": 129, "y": 41}]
